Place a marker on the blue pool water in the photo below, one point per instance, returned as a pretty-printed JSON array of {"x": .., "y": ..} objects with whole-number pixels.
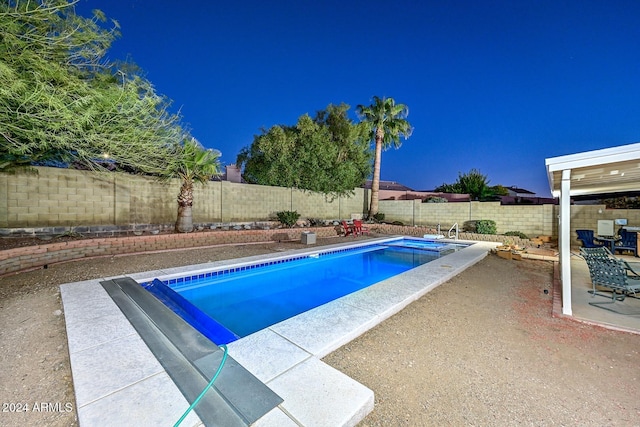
[{"x": 229, "y": 304}]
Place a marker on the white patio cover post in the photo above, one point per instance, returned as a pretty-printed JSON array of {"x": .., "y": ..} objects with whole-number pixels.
[{"x": 565, "y": 241}]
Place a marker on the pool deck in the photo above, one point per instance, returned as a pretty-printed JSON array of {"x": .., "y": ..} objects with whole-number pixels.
[{"x": 118, "y": 381}]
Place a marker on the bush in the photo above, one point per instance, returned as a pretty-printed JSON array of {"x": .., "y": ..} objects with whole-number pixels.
[
  {"x": 469, "y": 226},
  {"x": 435, "y": 199},
  {"x": 316, "y": 222},
  {"x": 288, "y": 218},
  {"x": 379, "y": 217},
  {"x": 519, "y": 234},
  {"x": 486, "y": 226}
]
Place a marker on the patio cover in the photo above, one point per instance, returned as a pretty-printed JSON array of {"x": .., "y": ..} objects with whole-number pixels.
[{"x": 610, "y": 170}]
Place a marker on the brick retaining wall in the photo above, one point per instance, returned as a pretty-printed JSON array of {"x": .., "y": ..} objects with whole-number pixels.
[{"x": 30, "y": 257}]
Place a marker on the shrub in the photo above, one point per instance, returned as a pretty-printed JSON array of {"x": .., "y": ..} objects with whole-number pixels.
[
  {"x": 435, "y": 199},
  {"x": 470, "y": 226},
  {"x": 288, "y": 218},
  {"x": 316, "y": 222},
  {"x": 519, "y": 234},
  {"x": 379, "y": 217},
  {"x": 486, "y": 226}
]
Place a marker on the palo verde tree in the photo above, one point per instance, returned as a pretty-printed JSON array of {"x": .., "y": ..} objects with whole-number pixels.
[
  {"x": 387, "y": 123},
  {"x": 328, "y": 154},
  {"x": 192, "y": 164},
  {"x": 61, "y": 100}
]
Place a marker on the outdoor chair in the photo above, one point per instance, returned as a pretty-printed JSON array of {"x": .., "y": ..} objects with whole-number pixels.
[
  {"x": 588, "y": 239},
  {"x": 603, "y": 252},
  {"x": 611, "y": 273},
  {"x": 358, "y": 228},
  {"x": 628, "y": 242},
  {"x": 347, "y": 229}
]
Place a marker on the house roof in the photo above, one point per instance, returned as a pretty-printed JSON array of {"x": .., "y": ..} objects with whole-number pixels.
[
  {"x": 389, "y": 185},
  {"x": 610, "y": 170},
  {"x": 519, "y": 190}
]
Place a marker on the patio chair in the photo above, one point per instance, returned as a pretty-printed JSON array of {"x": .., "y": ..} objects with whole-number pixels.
[
  {"x": 628, "y": 242},
  {"x": 358, "y": 228},
  {"x": 588, "y": 239},
  {"x": 603, "y": 252},
  {"x": 610, "y": 273},
  {"x": 347, "y": 229}
]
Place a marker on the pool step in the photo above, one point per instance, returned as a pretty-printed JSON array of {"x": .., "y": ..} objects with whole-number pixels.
[{"x": 237, "y": 398}]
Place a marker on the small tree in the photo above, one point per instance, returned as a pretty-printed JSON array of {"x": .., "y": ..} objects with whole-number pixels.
[
  {"x": 192, "y": 164},
  {"x": 61, "y": 100},
  {"x": 328, "y": 154},
  {"x": 473, "y": 183}
]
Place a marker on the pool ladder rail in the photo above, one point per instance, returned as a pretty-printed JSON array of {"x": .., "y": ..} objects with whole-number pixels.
[{"x": 450, "y": 234}]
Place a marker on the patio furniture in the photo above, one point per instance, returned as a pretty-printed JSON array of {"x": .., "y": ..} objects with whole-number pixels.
[
  {"x": 611, "y": 273},
  {"x": 628, "y": 242},
  {"x": 347, "y": 229},
  {"x": 588, "y": 239},
  {"x": 358, "y": 228},
  {"x": 602, "y": 252}
]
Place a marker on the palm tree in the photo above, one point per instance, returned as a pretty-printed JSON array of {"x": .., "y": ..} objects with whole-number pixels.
[
  {"x": 192, "y": 164},
  {"x": 387, "y": 123}
]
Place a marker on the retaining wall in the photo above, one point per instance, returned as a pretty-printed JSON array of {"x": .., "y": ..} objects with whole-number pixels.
[{"x": 30, "y": 257}]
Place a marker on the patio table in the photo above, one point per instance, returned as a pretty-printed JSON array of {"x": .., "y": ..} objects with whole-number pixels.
[{"x": 610, "y": 240}]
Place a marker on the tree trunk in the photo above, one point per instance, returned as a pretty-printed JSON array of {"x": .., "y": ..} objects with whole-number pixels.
[
  {"x": 184, "y": 223},
  {"x": 375, "y": 183}
]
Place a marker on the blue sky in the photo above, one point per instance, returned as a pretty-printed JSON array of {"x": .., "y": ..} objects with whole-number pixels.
[{"x": 493, "y": 85}]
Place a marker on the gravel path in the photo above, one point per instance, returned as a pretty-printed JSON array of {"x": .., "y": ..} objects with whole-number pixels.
[{"x": 481, "y": 349}]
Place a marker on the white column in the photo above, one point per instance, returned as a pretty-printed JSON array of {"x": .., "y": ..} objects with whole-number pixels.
[{"x": 565, "y": 241}]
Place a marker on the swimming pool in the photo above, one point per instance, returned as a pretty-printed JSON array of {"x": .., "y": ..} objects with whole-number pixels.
[{"x": 235, "y": 302}]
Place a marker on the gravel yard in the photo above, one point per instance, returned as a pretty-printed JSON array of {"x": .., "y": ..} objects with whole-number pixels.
[{"x": 482, "y": 349}]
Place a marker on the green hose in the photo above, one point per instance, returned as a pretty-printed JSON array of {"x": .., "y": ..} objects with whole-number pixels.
[{"x": 195, "y": 402}]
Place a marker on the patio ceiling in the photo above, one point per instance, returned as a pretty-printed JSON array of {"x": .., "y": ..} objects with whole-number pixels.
[{"x": 610, "y": 170}]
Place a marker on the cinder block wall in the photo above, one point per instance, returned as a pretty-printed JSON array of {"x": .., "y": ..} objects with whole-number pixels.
[
  {"x": 68, "y": 198},
  {"x": 533, "y": 220},
  {"x": 54, "y": 197}
]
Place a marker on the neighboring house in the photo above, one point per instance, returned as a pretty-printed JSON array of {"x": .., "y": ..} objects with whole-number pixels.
[
  {"x": 519, "y": 192},
  {"x": 391, "y": 190},
  {"x": 521, "y": 196},
  {"x": 232, "y": 173}
]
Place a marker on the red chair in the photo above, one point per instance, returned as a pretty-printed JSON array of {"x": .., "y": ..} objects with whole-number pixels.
[
  {"x": 358, "y": 228},
  {"x": 348, "y": 229}
]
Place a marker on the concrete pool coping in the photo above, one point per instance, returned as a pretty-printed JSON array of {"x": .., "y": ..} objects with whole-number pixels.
[{"x": 118, "y": 381}]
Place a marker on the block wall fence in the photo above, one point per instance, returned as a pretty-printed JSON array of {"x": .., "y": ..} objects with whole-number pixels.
[{"x": 54, "y": 198}]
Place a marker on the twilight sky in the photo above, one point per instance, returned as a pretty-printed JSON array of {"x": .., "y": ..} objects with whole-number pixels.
[{"x": 493, "y": 85}]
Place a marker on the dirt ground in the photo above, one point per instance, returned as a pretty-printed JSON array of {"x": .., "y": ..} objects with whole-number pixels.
[{"x": 482, "y": 349}]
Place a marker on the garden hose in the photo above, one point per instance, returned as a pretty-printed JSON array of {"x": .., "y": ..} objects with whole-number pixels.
[{"x": 195, "y": 402}]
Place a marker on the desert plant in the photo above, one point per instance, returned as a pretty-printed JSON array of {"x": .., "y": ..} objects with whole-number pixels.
[
  {"x": 486, "y": 226},
  {"x": 378, "y": 217},
  {"x": 316, "y": 222},
  {"x": 288, "y": 218},
  {"x": 519, "y": 234}
]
